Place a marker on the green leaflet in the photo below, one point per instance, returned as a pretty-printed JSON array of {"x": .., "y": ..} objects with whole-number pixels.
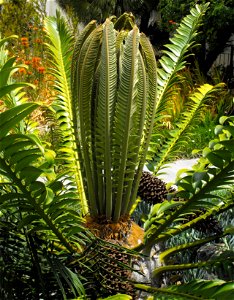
[
  {"x": 197, "y": 289},
  {"x": 10, "y": 118},
  {"x": 117, "y": 297}
]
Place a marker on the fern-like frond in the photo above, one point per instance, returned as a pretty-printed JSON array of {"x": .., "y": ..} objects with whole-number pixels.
[
  {"x": 125, "y": 110},
  {"x": 29, "y": 168},
  {"x": 174, "y": 58},
  {"x": 149, "y": 90},
  {"x": 178, "y": 136},
  {"x": 105, "y": 111},
  {"x": 59, "y": 47},
  {"x": 198, "y": 289},
  {"x": 197, "y": 188},
  {"x": 171, "y": 251},
  {"x": 114, "y": 100},
  {"x": 10, "y": 118}
]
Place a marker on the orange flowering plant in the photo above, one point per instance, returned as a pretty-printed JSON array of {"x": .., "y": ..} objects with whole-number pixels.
[{"x": 30, "y": 52}]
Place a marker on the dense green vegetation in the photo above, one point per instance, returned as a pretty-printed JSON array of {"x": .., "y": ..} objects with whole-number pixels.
[{"x": 70, "y": 166}]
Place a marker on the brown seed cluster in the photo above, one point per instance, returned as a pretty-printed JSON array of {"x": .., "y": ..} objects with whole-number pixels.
[{"x": 152, "y": 189}]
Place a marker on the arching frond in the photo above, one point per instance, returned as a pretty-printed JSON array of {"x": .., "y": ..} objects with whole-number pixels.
[
  {"x": 59, "y": 47},
  {"x": 171, "y": 251},
  {"x": 178, "y": 136},
  {"x": 40, "y": 196},
  {"x": 198, "y": 289},
  {"x": 173, "y": 59},
  {"x": 197, "y": 188}
]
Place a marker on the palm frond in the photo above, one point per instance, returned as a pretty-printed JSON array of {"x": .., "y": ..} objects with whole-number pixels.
[
  {"x": 114, "y": 112},
  {"x": 202, "y": 264},
  {"x": 10, "y": 118},
  {"x": 59, "y": 47},
  {"x": 178, "y": 136},
  {"x": 125, "y": 110},
  {"x": 171, "y": 251},
  {"x": 170, "y": 64},
  {"x": 174, "y": 58},
  {"x": 118, "y": 297},
  {"x": 38, "y": 271},
  {"x": 197, "y": 187},
  {"x": 198, "y": 289},
  {"x": 148, "y": 108},
  {"x": 82, "y": 95},
  {"x": 29, "y": 168}
]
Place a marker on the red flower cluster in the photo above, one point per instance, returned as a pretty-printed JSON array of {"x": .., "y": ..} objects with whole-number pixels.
[
  {"x": 22, "y": 71},
  {"x": 41, "y": 70},
  {"x": 36, "y": 62},
  {"x": 24, "y": 42},
  {"x": 38, "y": 41},
  {"x": 172, "y": 22}
]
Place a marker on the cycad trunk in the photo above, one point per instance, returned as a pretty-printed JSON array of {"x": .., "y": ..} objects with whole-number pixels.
[{"x": 125, "y": 232}]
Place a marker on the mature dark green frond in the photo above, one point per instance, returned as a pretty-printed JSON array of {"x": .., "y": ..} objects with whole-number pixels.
[
  {"x": 37, "y": 271},
  {"x": 197, "y": 187},
  {"x": 43, "y": 200},
  {"x": 59, "y": 47},
  {"x": 10, "y": 118},
  {"x": 174, "y": 58},
  {"x": 170, "y": 64},
  {"x": 229, "y": 257},
  {"x": 179, "y": 135},
  {"x": 198, "y": 289},
  {"x": 171, "y": 251}
]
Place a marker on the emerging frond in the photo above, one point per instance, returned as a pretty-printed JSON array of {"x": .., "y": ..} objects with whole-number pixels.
[{"x": 114, "y": 106}]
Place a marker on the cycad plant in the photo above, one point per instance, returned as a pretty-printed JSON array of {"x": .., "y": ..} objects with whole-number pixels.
[
  {"x": 113, "y": 106},
  {"x": 111, "y": 103},
  {"x": 106, "y": 107}
]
